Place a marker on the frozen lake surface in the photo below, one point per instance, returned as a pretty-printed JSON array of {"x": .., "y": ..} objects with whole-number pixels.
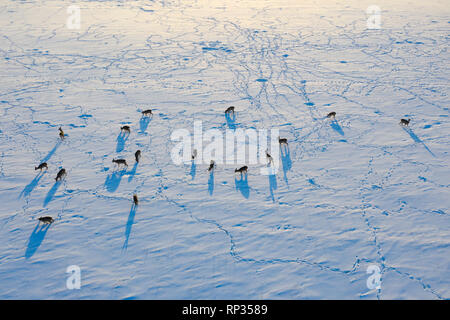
[{"x": 350, "y": 194}]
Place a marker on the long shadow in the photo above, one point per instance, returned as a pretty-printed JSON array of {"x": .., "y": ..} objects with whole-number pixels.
[
  {"x": 121, "y": 139},
  {"x": 27, "y": 190},
  {"x": 193, "y": 169},
  {"x": 51, "y": 193},
  {"x": 286, "y": 161},
  {"x": 336, "y": 127},
  {"x": 51, "y": 152},
  {"x": 231, "y": 121},
  {"x": 143, "y": 123},
  {"x": 36, "y": 238},
  {"x": 129, "y": 225},
  {"x": 272, "y": 185},
  {"x": 242, "y": 185},
  {"x": 112, "y": 181},
  {"x": 211, "y": 183},
  {"x": 132, "y": 172},
  {"x": 418, "y": 140}
]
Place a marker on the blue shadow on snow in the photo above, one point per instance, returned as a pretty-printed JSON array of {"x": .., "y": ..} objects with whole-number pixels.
[
  {"x": 112, "y": 181},
  {"x": 193, "y": 169},
  {"x": 27, "y": 190},
  {"x": 121, "y": 139},
  {"x": 417, "y": 139},
  {"x": 129, "y": 225},
  {"x": 143, "y": 123},
  {"x": 51, "y": 193},
  {"x": 336, "y": 127},
  {"x": 36, "y": 238},
  {"x": 286, "y": 161},
  {"x": 242, "y": 185},
  {"x": 50, "y": 154},
  {"x": 211, "y": 182},
  {"x": 272, "y": 185},
  {"x": 231, "y": 121}
]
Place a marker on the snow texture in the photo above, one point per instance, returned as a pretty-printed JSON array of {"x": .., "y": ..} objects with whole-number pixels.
[{"x": 358, "y": 191}]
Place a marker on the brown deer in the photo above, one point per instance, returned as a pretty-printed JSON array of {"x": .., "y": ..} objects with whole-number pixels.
[
  {"x": 61, "y": 133},
  {"x": 211, "y": 165},
  {"x": 147, "y": 113},
  {"x": 282, "y": 140},
  {"x": 230, "y": 110},
  {"x": 61, "y": 174},
  {"x": 404, "y": 122},
  {"x": 137, "y": 155},
  {"x": 269, "y": 157},
  {"x": 194, "y": 154},
  {"x": 120, "y": 162},
  {"x": 242, "y": 170},
  {"x": 46, "y": 220},
  {"x": 41, "y": 166},
  {"x": 125, "y": 128}
]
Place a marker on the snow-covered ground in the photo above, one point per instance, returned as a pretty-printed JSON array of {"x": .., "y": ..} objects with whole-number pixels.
[{"x": 353, "y": 193}]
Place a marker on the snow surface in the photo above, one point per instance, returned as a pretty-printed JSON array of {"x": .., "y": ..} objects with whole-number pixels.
[{"x": 361, "y": 191}]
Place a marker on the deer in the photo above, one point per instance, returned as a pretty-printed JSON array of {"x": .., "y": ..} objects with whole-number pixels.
[
  {"x": 404, "y": 122},
  {"x": 211, "y": 165},
  {"x": 282, "y": 141},
  {"x": 120, "y": 162},
  {"x": 61, "y": 133},
  {"x": 125, "y": 129},
  {"x": 242, "y": 170},
  {"x": 147, "y": 113},
  {"x": 46, "y": 220},
  {"x": 41, "y": 166},
  {"x": 61, "y": 174},
  {"x": 230, "y": 110},
  {"x": 137, "y": 155},
  {"x": 331, "y": 115}
]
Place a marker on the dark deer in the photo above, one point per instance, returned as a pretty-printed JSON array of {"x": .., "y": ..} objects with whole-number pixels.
[
  {"x": 41, "y": 166},
  {"x": 242, "y": 170},
  {"x": 211, "y": 165},
  {"x": 61, "y": 133},
  {"x": 404, "y": 122},
  {"x": 269, "y": 157},
  {"x": 125, "y": 128},
  {"x": 46, "y": 220},
  {"x": 61, "y": 174},
  {"x": 282, "y": 140},
  {"x": 120, "y": 161},
  {"x": 137, "y": 155},
  {"x": 230, "y": 110},
  {"x": 147, "y": 113}
]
